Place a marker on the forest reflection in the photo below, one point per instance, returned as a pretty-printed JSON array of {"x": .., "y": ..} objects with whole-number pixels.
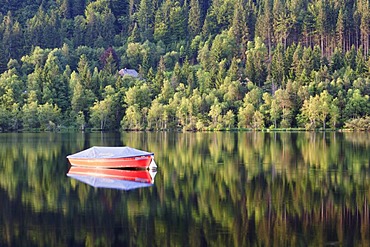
[{"x": 218, "y": 188}]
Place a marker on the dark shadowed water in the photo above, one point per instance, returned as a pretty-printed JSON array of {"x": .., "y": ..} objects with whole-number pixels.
[{"x": 211, "y": 189}]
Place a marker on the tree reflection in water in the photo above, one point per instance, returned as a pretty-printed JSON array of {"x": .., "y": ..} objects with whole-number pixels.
[{"x": 234, "y": 189}]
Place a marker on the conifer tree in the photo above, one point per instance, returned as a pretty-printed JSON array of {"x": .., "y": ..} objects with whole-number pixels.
[
  {"x": 161, "y": 28},
  {"x": 239, "y": 29},
  {"x": 145, "y": 17},
  {"x": 194, "y": 20},
  {"x": 340, "y": 30},
  {"x": 277, "y": 66}
]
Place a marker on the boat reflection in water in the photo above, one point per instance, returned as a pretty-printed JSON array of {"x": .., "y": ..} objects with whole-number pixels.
[{"x": 121, "y": 179}]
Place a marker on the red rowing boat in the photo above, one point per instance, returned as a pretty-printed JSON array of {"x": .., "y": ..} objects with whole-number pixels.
[{"x": 113, "y": 157}]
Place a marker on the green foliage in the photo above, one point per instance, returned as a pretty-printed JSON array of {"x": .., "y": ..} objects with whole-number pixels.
[
  {"x": 145, "y": 17},
  {"x": 48, "y": 116},
  {"x": 194, "y": 20},
  {"x": 139, "y": 96},
  {"x": 358, "y": 124},
  {"x": 133, "y": 118},
  {"x": 102, "y": 114},
  {"x": 277, "y": 67},
  {"x": 11, "y": 87},
  {"x": 67, "y": 52},
  {"x": 99, "y": 23},
  {"x": 256, "y": 54}
]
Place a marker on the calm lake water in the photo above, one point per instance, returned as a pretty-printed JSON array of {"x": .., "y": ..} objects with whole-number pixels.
[{"x": 211, "y": 189}]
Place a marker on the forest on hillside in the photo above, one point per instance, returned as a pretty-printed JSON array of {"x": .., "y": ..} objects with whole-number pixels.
[{"x": 203, "y": 64}]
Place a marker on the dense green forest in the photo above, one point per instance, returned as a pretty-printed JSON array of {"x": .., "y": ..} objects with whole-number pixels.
[{"x": 218, "y": 64}]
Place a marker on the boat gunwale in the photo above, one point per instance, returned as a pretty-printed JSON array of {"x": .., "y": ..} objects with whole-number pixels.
[
  {"x": 114, "y": 158},
  {"x": 101, "y": 156}
]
